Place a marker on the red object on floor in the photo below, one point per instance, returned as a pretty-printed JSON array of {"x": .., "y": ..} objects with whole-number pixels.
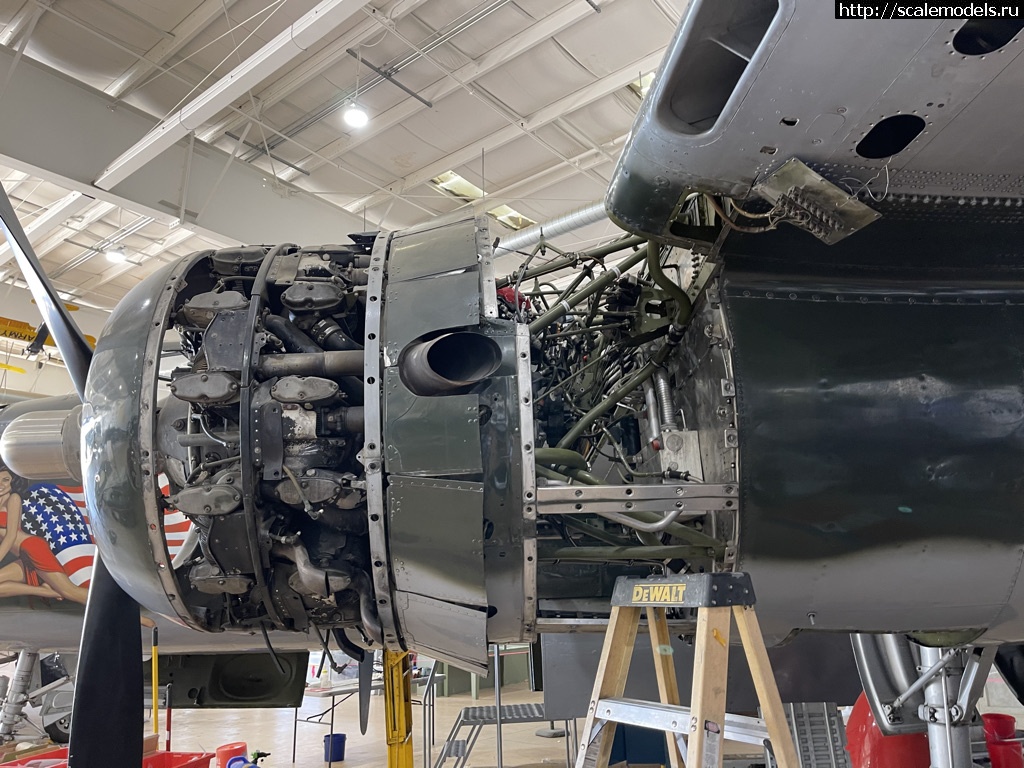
[
  {"x": 226, "y": 751},
  {"x": 152, "y": 760},
  {"x": 869, "y": 748},
  {"x": 1005, "y": 754},
  {"x": 999, "y": 728}
]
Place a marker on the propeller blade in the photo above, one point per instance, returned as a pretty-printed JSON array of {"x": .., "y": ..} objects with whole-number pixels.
[
  {"x": 70, "y": 340},
  {"x": 108, "y": 687},
  {"x": 365, "y": 684}
]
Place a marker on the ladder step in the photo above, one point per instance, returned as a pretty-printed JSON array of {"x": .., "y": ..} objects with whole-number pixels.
[
  {"x": 455, "y": 748},
  {"x": 819, "y": 734},
  {"x": 669, "y": 717}
]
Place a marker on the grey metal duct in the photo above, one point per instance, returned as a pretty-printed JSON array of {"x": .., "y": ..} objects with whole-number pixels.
[{"x": 567, "y": 222}]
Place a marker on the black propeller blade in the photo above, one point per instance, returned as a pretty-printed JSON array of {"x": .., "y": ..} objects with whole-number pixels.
[
  {"x": 70, "y": 340},
  {"x": 365, "y": 684},
  {"x": 108, "y": 687}
]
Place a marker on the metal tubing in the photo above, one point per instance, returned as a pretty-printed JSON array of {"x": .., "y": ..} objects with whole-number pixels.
[
  {"x": 948, "y": 745},
  {"x": 328, "y": 364},
  {"x": 613, "y": 399},
  {"x": 684, "y": 307},
  {"x": 17, "y": 694},
  {"x": 353, "y": 419},
  {"x": 924, "y": 679},
  {"x": 599, "y": 284},
  {"x": 497, "y": 704},
  {"x": 557, "y": 264},
  {"x": 552, "y": 266},
  {"x": 329, "y": 335},
  {"x": 294, "y": 340},
  {"x": 666, "y": 408},
  {"x": 616, "y": 553},
  {"x": 567, "y": 222},
  {"x": 594, "y": 532},
  {"x": 653, "y": 413},
  {"x": 561, "y": 457},
  {"x": 675, "y": 335}
]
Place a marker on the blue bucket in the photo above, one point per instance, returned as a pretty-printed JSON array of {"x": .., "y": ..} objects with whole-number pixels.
[{"x": 334, "y": 747}]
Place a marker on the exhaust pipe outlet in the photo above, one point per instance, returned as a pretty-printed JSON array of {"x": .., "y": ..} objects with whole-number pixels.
[{"x": 449, "y": 364}]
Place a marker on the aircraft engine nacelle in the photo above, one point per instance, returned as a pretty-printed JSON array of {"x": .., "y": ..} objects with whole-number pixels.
[{"x": 354, "y": 453}]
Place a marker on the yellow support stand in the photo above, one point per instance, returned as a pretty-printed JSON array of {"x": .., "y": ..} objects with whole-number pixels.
[
  {"x": 720, "y": 599},
  {"x": 156, "y": 680},
  {"x": 398, "y": 708}
]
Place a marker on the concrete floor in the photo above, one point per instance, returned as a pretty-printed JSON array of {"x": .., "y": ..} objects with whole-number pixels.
[{"x": 270, "y": 730}]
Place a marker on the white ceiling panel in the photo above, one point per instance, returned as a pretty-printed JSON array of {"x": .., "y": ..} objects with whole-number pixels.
[
  {"x": 536, "y": 79},
  {"x": 636, "y": 28}
]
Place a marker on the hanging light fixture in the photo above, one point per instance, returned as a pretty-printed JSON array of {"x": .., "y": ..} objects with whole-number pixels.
[
  {"x": 116, "y": 255},
  {"x": 354, "y": 115}
]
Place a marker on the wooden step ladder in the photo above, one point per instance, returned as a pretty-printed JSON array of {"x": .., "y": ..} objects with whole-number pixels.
[{"x": 719, "y": 598}]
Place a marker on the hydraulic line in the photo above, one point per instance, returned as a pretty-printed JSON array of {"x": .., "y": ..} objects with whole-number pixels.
[
  {"x": 562, "y": 308},
  {"x": 684, "y": 307},
  {"x": 616, "y": 395},
  {"x": 653, "y": 413},
  {"x": 568, "y": 261},
  {"x": 561, "y": 456},
  {"x": 664, "y": 395}
]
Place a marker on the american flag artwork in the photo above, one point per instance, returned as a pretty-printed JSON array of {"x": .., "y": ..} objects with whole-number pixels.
[{"x": 59, "y": 515}]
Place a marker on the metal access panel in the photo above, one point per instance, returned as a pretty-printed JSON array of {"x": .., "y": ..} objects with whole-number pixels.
[
  {"x": 430, "y": 435},
  {"x": 431, "y": 625},
  {"x": 234, "y": 680},
  {"x": 417, "y": 307},
  {"x": 433, "y": 251},
  {"x": 456, "y": 511},
  {"x": 740, "y": 93}
]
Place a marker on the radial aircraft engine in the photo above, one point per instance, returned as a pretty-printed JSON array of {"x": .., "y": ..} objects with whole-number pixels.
[{"x": 811, "y": 379}]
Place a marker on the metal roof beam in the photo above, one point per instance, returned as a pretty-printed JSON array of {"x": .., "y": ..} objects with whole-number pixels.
[
  {"x": 501, "y": 54},
  {"x": 49, "y": 220},
  {"x": 248, "y": 205},
  {"x": 182, "y": 34},
  {"x": 73, "y": 226},
  {"x": 309, "y": 69},
  {"x": 153, "y": 250},
  {"x": 289, "y": 44},
  {"x": 581, "y": 98},
  {"x": 23, "y": 21}
]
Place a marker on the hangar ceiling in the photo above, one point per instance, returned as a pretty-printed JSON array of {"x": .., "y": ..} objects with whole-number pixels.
[{"x": 514, "y": 107}]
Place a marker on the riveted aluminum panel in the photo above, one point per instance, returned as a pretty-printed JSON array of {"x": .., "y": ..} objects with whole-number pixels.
[
  {"x": 429, "y": 435},
  {"x": 456, "y": 529},
  {"x": 881, "y": 435},
  {"x": 118, "y": 428},
  {"x": 432, "y": 252},
  {"x": 416, "y": 307},
  {"x": 969, "y": 104},
  {"x": 444, "y": 631}
]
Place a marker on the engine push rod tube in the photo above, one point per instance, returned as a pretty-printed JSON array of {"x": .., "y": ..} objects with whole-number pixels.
[{"x": 328, "y": 364}]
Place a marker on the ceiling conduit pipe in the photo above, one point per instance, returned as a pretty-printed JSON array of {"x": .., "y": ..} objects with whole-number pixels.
[{"x": 525, "y": 239}]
